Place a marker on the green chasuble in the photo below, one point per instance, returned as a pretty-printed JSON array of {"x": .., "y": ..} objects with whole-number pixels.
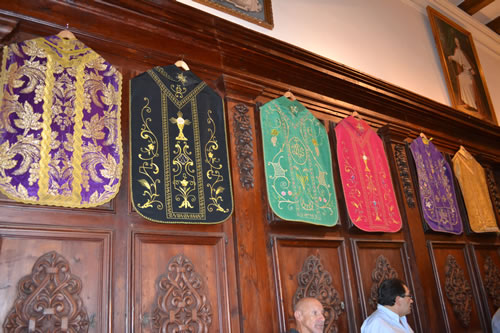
[{"x": 298, "y": 164}]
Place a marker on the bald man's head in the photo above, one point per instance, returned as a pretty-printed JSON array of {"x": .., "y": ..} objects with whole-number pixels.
[{"x": 308, "y": 313}]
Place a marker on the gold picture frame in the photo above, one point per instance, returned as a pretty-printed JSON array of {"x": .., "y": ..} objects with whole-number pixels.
[
  {"x": 461, "y": 67},
  {"x": 255, "y": 11}
]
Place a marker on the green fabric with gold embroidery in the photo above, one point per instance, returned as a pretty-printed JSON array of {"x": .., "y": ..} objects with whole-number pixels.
[{"x": 298, "y": 164}]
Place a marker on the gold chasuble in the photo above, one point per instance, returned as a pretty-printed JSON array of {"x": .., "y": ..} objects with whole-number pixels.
[
  {"x": 179, "y": 164},
  {"x": 472, "y": 180},
  {"x": 60, "y": 140}
]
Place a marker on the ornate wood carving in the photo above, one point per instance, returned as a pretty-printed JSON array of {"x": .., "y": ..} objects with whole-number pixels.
[
  {"x": 244, "y": 145},
  {"x": 492, "y": 281},
  {"x": 48, "y": 299},
  {"x": 314, "y": 281},
  {"x": 382, "y": 271},
  {"x": 180, "y": 305},
  {"x": 492, "y": 185},
  {"x": 458, "y": 291},
  {"x": 404, "y": 174}
]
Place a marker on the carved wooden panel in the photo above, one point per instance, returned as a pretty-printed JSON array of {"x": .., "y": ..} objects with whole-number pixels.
[
  {"x": 181, "y": 303},
  {"x": 316, "y": 268},
  {"x": 458, "y": 294},
  {"x": 244, "y": 144},
  {"x": 486, "y": 258},
  {"x": 375, "y": 260},
  {"x": 458, "y": 290},
  {"x": 48, "y": 299},
  {"x": 54, "y": 280},
  {"x": 179, "y": 283},
  {"x": 494, "y": 189},
  {"x": 404, "y": 174}
]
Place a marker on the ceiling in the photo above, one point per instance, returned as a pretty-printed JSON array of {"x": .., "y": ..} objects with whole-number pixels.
[{"x": 485, "y": 11}]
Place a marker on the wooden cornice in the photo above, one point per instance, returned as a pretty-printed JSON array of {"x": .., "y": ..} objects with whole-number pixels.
[
  {"x": 473, "y": 6},
  {"x": 157, "y": 33}
]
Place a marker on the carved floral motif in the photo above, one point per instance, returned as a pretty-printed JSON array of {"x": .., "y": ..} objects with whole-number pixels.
[
  {"x": 315, "y": 281},
  {"x": 244, "y": 145},
  {"x": 492, "y": 281},
  {"x": 48, "y": 299},
  {"x": 404, "y": 174},
  {"x": 458, "y": 291},
  {"x": 180, "y": 305},
  {"x": 382, "y": 271},
  {"x": 492, "y": 185}
]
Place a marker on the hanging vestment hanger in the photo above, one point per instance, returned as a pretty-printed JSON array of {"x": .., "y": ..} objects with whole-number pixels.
[
  {"x": 355, "y": 114},
  {"x": 424, "y": 138},
  {"x": 290, "y": 95},
  {"x": 182, "y": 64},
  {"x": 66, "y": 34}
]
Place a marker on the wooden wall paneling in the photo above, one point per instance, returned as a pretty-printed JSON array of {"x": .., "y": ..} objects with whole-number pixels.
[
  {"x": 179, "y": 282},
  {"x": 64, "y": 272},
  {"x": 486, "y": 263},
  {"x": 315, "y": 267},
  {"x": 406, "y": 187},
  {"x": 459, "y": 298},
  {"x": 252, "y": 258},
  {"x": 377, "y": 260}
]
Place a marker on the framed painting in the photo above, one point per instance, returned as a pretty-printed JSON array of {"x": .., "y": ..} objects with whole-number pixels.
[
  {"x": 255, "y": 11},
  {"x": 461, "y": 67}
]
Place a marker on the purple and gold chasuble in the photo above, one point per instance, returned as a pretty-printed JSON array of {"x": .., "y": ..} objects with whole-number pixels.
[
  {"x": 437, "y": 192},
  {"x": 60, "y": 140},
  {"x": 298, "y": 164},
  {"x": 472, "y": 180},
  {"x": 366, "y": 179},
  {"x": 179, "y": 165}
]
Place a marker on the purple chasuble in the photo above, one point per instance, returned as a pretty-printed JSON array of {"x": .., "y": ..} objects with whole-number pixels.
[
  {"x": 60, "y": 140},
  {"x": 437, "y": 193}
]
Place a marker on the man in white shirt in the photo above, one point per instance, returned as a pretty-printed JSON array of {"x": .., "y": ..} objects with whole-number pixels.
[{"x": 394, "y": 303}]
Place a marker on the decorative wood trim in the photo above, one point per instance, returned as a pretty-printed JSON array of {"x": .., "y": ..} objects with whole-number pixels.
[
  {"x": 492, "y": 185},
  {"x": 181, "y": 303},
  {"x": 48, "y": 299},
  {"x": 492, "y": 281},
  {"x": 382, "y": 271},
  {"x": 314, "y": 281},
  {"x": 244, "y": 145},
  {"x": 404, "y": 174},
  {"x": 458, "y": 291}
]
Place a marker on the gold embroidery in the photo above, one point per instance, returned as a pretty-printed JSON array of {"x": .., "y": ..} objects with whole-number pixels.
[
  {"x": 213, "y": 174},
  {"x": 148, "y": 167},
  {"x": 184, "y": 180},
  {"x": 180, "y": 124},
  {"x": 193, "y": 179}
]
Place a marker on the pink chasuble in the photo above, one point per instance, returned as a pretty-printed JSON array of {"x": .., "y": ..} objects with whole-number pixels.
[{"x": 366, "y": 179}]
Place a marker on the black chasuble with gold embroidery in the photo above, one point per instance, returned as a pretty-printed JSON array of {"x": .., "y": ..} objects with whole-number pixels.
[{"x": 179, "y": 162}]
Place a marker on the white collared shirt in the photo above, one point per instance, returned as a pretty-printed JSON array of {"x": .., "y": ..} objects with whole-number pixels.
[{"x": 384, "y": 320}]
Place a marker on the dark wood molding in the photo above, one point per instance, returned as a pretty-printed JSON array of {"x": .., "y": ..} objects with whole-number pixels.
[{"x": 473, "y": 6}]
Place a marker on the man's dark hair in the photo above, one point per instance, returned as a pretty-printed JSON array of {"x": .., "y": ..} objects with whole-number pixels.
[{"x": 388, "y": 290}]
